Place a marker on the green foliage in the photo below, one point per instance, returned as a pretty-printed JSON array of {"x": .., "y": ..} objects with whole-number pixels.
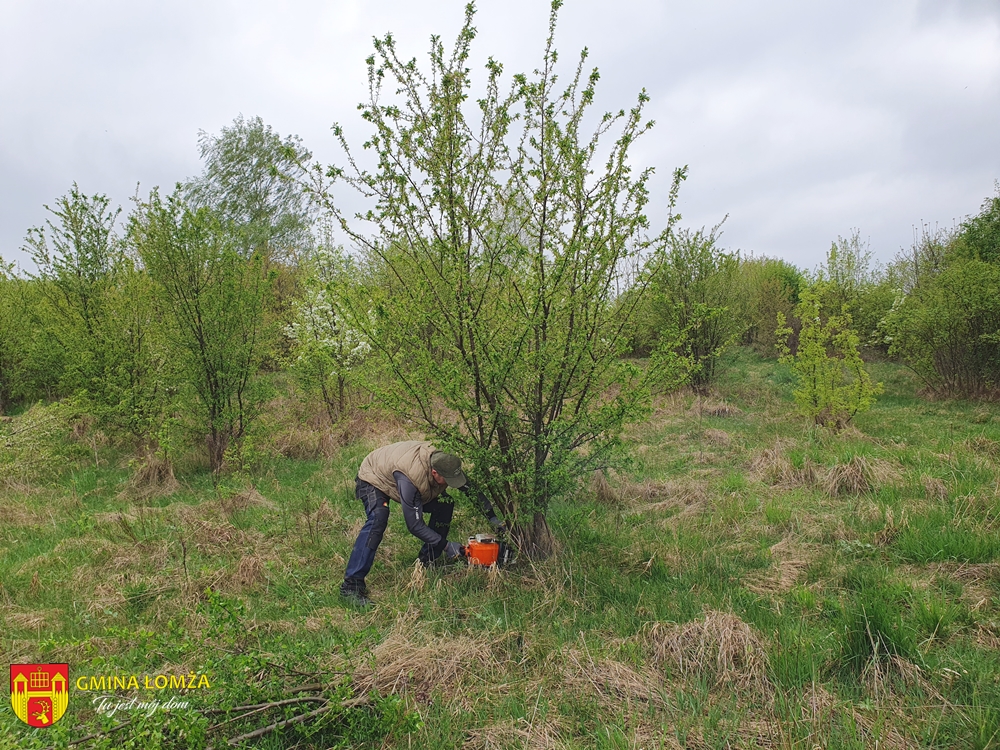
[
  {"x": 76, "y": 254},
  {"x": 946, "y": 328},
  {"x": 858, "y": 286},
  {"x": 213, "y": 302},
  {"x": 128, "y": 388},
  {"x": 250, "y": 181},
  {"x": 767, "y": 286},
  {"x": 832, "y": 383},
  {"x": 979, "y": 236},
  {"x": 94, "y": 308},
  {"x": 693, "y": 300},
  {"x": 30, "y": 360},
  {"x": 494, "y": 266},
  {"x": 945, "y": 323},
  {"x": 34, "y": 445}
]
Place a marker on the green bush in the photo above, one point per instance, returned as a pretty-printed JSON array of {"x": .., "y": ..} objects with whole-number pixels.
[
  {"x": 768, "y": 286},
  {"x": 857, "y": 286},
  {"x": 694, "y": 304},
  {"x": 832, "y": 383},
  {"x": 34, "y": 446},
  {"x": 947, "y": 328}
]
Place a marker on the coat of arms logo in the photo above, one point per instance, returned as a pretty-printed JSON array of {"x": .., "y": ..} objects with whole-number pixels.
[{"x": 39, "y": 692}]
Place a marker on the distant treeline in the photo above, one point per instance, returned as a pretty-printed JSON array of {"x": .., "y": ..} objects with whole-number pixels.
[{"x": 174, "y": 319}]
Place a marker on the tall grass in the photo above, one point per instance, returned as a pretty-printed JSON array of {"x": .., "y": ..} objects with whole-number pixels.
[{"x": 716, "y": 592}]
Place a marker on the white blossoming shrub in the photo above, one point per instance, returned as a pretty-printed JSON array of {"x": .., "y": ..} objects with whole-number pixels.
[{"x": 325, "y": 347}]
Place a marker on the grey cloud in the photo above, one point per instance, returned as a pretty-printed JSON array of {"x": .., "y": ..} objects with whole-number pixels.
[{"x": 799, "y": 120}]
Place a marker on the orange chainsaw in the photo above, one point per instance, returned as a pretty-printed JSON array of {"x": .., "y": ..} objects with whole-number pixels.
[{"x": 487, "y": 550}]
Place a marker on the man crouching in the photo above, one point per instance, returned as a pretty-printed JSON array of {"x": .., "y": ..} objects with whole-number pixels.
[{"x": 417, "y": 477}]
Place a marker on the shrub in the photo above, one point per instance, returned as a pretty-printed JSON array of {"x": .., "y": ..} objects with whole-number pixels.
[
  {"x": 35, "y": 444},
  {"x": 858, "y": 286},
  {"x": 832, "y": 383},
  {"x": 694, "y": 302},
  {"x": 493, "y": 254},
  {"x": 768, "y": 286},
  {"x": 947, "y": 328}
]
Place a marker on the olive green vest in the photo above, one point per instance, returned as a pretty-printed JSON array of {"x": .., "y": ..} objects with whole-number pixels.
[{"x": 412, "y": 457}]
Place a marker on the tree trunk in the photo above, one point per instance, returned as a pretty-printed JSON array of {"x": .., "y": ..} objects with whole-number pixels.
[
  {"x": 217, "y": 443},
  {"x": 534, "y": 539}
]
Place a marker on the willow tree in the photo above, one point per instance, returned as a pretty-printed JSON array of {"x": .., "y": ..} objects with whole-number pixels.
[{"x": 501, "y": 232}]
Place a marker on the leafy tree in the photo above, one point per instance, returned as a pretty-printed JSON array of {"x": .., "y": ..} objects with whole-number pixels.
[
  {"x": 694, "y": 299},
  {"x": 97, "y": 307},
  {"x": 768, "y": 286},
  {"x": 128, "y": 391},
  {"x": 979, "y": 237},
  {"x": 945, "y": 323},
  {"x": 833, "y": 385},
  {"x": 857, "y": 285},
  {"x": 250, "y": 181},
  {"x": 500, "y": 235},
  {"x": 947, "y": 328},
  {"x": 15, "y": 335},
  {"x": 76, "y": 252},
  {"x": 213, "y": 300}
]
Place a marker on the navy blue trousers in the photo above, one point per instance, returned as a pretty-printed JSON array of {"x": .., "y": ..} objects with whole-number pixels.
[{"x": 376, "y": 505}]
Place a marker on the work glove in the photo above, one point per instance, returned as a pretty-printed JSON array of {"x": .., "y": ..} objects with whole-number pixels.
[
  {"x": 453, "y": 550},
  {"x": 499, "y": 526}
]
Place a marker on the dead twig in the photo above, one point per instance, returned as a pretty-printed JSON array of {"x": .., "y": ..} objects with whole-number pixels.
[
  {"x": 261, "y": 707},
  {"x": 233, "y": 741}
]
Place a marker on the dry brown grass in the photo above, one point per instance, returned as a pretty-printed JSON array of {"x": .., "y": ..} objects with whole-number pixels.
[
  {"x": 24, "y": 619},
  {"x": 206, "y": 528},
  {"x": 986, "y": 636},
  {"x": 773, "y": 467},
  {"x": 859, "y": 476},
  {"x": 244, "y": 500},
  {"x": 821, "y": 710},
  {"x": 607, "y": 679},
  {"x": 301, "y": 429},
  {"x": 416, "y": 664},
  {"x": 154, "y": 477},
  {"x": 601, "y": 489},
  {"x": 892, "y": 528},
  {"x": 712, "y": 408},
  {"x": 977, "y": 573},
  {"x": 537, "y": 734},
  {"x": 418, "y": 577},
  {"x": 789, "y": 560},
  {"x": 249, "y": 573},
  {"x": 984, "y": 446},
  {"x": 652, "y": 495},
  {"x": 934, "y": 488},
  {"x": 718, "y": 437},
  {"x": 719, "y": 647},
  {"x": 20, "y": 515}
]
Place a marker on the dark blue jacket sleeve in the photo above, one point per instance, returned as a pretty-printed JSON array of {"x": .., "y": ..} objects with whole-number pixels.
[
  {"x": 484, "y": 502},
  {"x": 413, "y": 510}
]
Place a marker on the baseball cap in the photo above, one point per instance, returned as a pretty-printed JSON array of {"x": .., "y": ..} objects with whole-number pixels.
[{"x": 449, "y": 467}]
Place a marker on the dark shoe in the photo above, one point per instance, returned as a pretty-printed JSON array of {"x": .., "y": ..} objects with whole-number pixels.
[{"x": 356, "y": 594}]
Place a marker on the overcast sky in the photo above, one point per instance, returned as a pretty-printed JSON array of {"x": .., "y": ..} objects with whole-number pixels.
[{"x": 800, "y": 120}]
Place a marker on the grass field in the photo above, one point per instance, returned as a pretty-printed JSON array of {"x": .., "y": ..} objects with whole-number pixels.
[{"x": 745, "y": 581}]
